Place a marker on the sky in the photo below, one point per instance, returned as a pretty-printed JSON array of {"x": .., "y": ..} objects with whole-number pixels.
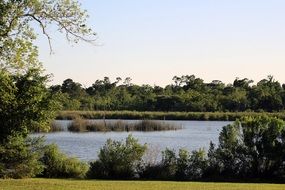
[{"x": 153, "y": 40}]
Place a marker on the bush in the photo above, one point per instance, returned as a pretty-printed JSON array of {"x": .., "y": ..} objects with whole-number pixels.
[
  {"x": 118, "y": 160},
  {"x": 26, "y": 105},
  {"x": 184, "y": 166},
  {"x": 251, "y": 148},
  {"x": 19, "y": 158},
  {"x": 164, "y": 170},
  {"x": 168, "y": 164},
  {"x": 58, "y": 165},
  {"x": 198, "y": 163}
]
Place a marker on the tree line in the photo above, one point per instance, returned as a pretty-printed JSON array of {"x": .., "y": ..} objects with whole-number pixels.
[{"x": 187, "y": 93}]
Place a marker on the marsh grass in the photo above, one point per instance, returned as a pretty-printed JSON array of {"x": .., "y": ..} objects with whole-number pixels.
[
  {"x": 199, "y": 116},
  {"x": 81, "y": 125},
  {"x": 55, "y": 127},
  {"x": 149, "y": 125},
  {"x": 78, "y": 125}
]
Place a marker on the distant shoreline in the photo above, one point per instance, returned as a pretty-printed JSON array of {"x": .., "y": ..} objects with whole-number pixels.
[{"x": 198, "y": 116}]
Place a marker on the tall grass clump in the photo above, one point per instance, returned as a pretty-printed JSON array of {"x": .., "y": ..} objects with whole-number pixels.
[
  {"x": 99, "y": 126},
  {"x": 55, "y": 127},
  {"x": 149, "y": 125},
  {"x": 78, "y": 125},
  {"x": 107, "y": 126},
  {"x": 19, "y": 157},
  {"x": 81, "y": 125}
]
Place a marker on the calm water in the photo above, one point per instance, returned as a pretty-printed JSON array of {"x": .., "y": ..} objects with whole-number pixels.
[{"x": 85, "y": 146}]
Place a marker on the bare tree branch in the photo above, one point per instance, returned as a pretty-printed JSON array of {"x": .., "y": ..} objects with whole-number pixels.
[{"x": 43, "y": 27}]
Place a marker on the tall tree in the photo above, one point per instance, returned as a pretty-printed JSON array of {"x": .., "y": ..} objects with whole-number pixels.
[
  {"x": 25, "y": 102},
  {"x": 18, "y": 19}
]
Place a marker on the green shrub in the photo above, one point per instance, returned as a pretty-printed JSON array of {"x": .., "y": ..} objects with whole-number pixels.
[
  {"x": 118, "y": 160},
  {"x": 198, "y": 163},
  {"x": 19, "y": 157},
  {"x": 184, "y": 166},
  {"x": 58, "y": 165},
  {"x": 168, "y": 164},
  {"x": 252, "y": 147},
  {"x": 26, "y": 105}
]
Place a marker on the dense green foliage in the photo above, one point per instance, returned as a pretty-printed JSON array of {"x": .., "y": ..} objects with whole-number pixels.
[
  {"x": 29, "y": 157},
  {"x": 188, "y": 93},
  {"x": 18, "y": 18},
  {"x": 183, "y": 166},
  {"x": 19, "y": 157},
  {"x": 118, "y": 160},
  {"x": 250, "y": 148},
  {"x": 25, "y": 103},
  {"x": 58, "y": 165}
]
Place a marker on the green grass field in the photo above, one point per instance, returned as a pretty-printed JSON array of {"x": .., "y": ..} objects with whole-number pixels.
[{"x": 58, "y": 184}]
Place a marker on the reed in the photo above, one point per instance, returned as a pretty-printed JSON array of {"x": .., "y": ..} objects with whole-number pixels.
[
  {"x": 81, "y": 125},
  {"x": 200, "y": 116},
  {"x": 78, "y": 125},
  {"x": 55, "y": 127},
  {"x": 149, "y": 125},
  {"x": 97, "y": 127}
]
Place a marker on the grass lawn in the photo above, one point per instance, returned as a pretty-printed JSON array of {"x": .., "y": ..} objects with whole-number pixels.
[{"x": 59, "y": 184}]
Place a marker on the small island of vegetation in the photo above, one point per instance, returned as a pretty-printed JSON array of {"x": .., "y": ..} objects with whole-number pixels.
[{"x": 81, "y": 125}]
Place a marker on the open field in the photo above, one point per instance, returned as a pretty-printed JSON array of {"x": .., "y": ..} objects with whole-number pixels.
[
  {"x": 59, "y": 184},
  {"x": 200, "y": 116}
]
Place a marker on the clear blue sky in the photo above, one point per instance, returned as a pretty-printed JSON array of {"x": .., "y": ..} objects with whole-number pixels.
[{"x": 153, "y": 40}]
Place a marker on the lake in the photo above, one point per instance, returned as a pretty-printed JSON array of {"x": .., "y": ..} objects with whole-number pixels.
[{"x": 85, "y": 146}]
